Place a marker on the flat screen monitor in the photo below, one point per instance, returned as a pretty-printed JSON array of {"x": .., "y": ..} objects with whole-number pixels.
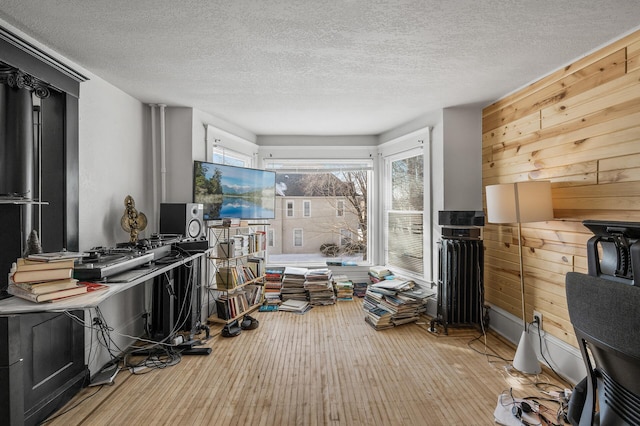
[{"x": 234, "y": 192}]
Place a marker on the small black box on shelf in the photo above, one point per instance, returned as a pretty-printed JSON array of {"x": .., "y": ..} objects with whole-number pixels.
[{"x": 461, "y": 218}]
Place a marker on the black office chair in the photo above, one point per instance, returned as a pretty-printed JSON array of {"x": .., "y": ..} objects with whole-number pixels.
[{"x": 606, "y": 318}]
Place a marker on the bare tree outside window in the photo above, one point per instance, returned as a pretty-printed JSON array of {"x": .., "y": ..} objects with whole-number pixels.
[
  {"x": 337, "y": 229},
  {"x": 351, "y": 207}
]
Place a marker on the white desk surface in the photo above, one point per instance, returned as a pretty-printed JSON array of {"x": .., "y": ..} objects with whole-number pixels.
[{"x": 16, "y": 305}]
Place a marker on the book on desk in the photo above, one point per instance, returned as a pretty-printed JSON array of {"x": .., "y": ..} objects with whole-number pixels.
[{"x": 79, "y": 288}]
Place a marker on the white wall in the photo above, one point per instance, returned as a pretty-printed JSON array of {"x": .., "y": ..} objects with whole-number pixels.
[
  {"x": 179, "y": 156},
  {"x": 114, "y": 161},
  {"x": 462, "y": 154},
  {"x": 185, "y": 142}
]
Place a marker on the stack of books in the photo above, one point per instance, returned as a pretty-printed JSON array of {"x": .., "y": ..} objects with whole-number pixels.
[
  {"x": 41, "y": 280},
  {"x": 376, "y": 316},
  {"x": 295, "y": 306},
  {"x": 272, "y": 284},
  {"x": 343, "y": 287},
  {"x": 360, "y": 289},
  {"x": 379, "y": 273},
  {"x": 293, "y": 284},
  {"x": 318, "y": 285},
  {"x": 389, "y": 303},
  {"x": 395, "y": 284}
]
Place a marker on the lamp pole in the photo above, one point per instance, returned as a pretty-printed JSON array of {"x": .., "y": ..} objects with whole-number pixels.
[{"x": 524, "y": 315}]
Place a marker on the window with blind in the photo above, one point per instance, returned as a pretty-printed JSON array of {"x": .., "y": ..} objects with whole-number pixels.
[
  {"x": 336, "y": 191},
  {"x": 405, "y": 212}
]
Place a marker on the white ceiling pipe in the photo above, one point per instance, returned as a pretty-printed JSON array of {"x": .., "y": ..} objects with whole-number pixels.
[{"x": 163, "y": 160}]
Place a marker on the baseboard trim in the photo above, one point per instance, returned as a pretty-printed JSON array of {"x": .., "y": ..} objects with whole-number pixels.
[{"x": 565, "y": 359}]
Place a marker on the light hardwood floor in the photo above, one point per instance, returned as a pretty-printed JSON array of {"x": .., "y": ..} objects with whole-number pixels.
[{"x": 327, "y": 367}]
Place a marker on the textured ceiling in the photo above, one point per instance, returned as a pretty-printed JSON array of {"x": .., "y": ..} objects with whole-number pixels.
[{"x": 311, "y": 67}]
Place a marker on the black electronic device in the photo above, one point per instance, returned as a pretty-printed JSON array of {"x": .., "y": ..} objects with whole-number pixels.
[
  {"x": 614, "y": 250},
  {"x": 461, "y": 232},
  {"x": 465, "y": 218},
  {"x": 195, "y": 246},
  {"x": 102, "y": 263},
  {"x": 185, "y": 219}
]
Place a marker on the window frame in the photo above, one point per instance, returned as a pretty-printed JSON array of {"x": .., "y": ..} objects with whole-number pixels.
[
  {"x": 315, "y": 163},
  {"x": 223, "y": 155},
  {"x": 340, "y": 207},
  {"x": 387, "y": 159},
  {"x": 301, "y": 232},
  {"x": 290, "y": 207},
  {"x": 271, "y": 238},
  {"x": 224, "y": 147}
]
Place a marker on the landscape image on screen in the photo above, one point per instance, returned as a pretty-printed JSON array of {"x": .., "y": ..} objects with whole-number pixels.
[{"x": 233, "y": 192}]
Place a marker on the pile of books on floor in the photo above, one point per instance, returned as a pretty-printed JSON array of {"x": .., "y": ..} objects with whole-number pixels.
[
  {"x": 293, "y": 284},
  {"x": 360, "y": 289},
  {"x": 343, "y": 287},
  {"x": 40, "y": 280},
  {"x": 398, "y": 301},
  {"x": 379, "y": 273},
  {"x": 295, "y": 306},
  {"x": 319, "y": 287},
  {"x": 272, "y": 283}
]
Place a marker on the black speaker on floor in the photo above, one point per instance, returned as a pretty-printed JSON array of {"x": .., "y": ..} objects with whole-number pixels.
[{"x": 185, "y": 219}]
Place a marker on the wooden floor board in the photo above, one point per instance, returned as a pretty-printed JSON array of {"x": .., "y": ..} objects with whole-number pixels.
[{"x": 326, "y": 367}]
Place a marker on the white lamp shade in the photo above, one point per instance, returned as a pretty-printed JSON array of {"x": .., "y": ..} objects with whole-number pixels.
[
  {"x": 501, "y": 203},
  {"x": 534, "y": 201},
  {"x": 520, "y": 202},
  {"x": 525, "y": 359}
]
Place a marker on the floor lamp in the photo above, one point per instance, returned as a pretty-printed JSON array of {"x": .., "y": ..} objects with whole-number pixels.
[{"x": 521, "y": 202}]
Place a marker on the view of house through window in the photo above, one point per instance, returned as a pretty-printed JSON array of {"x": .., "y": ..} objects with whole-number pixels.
[
  {"x": 405, "y": 215},
  {"x": 322, "y": 211}
]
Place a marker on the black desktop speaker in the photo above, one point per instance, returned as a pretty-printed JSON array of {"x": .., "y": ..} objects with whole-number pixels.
[{"x": 182, "y": 218}]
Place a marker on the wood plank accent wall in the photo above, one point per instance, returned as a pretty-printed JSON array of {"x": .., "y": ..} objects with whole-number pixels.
[{"x": 578, "y": 127}]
